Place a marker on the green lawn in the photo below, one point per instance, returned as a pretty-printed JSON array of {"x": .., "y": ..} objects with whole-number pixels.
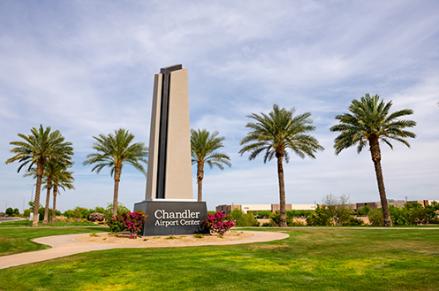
[
  {"x": 15, "y": 237},
  {"x": 57, "y": 223},
  {"x": 311, "y": 258}
]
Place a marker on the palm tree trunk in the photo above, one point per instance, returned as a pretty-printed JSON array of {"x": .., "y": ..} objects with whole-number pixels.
[
  {"x": 46, "y": 206},
  {"x": 40, "y": 171},
  {"x": 55, "y": 193},
  {"x": 280, "y": 175},
  {"x": 200, "y": 176},
  {"x": 376, "y": 158},
  {"x": 117, "y": 173}
]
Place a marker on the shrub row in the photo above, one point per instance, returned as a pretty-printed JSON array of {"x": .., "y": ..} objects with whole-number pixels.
[{"x": 410, "y": 214}]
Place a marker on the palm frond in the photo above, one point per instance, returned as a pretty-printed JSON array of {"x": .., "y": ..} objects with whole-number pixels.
[
  {"x": 116, "y": 149},
  {"x": 370, "y": 118},
  {"x": 205, "y": 148},
  {"x": 277, "y": 132}
]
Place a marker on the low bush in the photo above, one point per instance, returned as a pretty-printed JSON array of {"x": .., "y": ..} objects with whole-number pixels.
[
  {"x": 353, "y": 221},
  {"x": 121, "y": 210},
  {"x": 320, "y": 217},
  {"x": 129, "y": 221},
  {"x": 115, "y": 224},
  {"x": 78, "y": 213},
  {"x": 363, "y": 211},
  {"x": 414, "y": 214},
  {"x": 299, "y": 213},
  {"x": 82, "y": 213},
  {"x": 275, "y": 219},
  {"x": 133, "y": 222},
  {"x": 262, "y": 214},
  {"x": 376, "y": 217},
  {"x": 291, "y": 220},
  {"x": 333, "y": 211},
  {"x": 219, "y": 223},
  {"x": 96, "y": 217},
  {"x": 244, "y": 219},
  {"x": 410, "y": 214},
  {"x": 297, "y": 222}
]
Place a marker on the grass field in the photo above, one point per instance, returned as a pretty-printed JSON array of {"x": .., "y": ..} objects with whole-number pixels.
[
  {"x": 57, "y": 223},
  {"x": 311, "y": 258},
  {"x": 15, "y": 237}
]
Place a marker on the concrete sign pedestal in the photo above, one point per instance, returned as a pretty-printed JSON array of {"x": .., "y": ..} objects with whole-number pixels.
[{"x": 173, "y": 217}]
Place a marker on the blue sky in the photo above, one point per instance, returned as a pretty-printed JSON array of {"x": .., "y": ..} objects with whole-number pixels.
[{"x": 86, "y": 67}]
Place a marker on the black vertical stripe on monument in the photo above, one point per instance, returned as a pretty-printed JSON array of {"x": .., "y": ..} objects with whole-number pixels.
[{"x": 163, "y": 133}]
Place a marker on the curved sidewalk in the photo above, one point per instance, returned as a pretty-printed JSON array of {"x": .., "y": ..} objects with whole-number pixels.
[{"x": 66, "y": 245}]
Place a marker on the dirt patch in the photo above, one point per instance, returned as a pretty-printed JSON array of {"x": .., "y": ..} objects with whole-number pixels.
[{"x": 165, "y": 241}]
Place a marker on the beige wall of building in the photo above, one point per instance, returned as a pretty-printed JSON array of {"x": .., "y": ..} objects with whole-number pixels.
[
  {"x": 255, "y": 207},
  {"x": 303, "y": 206},
  {"x": 227, "y": 208}
]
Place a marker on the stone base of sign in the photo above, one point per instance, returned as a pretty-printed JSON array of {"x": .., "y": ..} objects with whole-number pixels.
[{"x": 172, "y": 217}]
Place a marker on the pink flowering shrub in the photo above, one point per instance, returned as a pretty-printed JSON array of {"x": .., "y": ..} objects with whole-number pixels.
[
  {"x": 219, "y": 223},
  {"x": 133, "y": 222}
]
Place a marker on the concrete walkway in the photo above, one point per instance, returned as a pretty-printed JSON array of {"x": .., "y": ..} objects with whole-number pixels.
[{"x": 66, "y": 245}]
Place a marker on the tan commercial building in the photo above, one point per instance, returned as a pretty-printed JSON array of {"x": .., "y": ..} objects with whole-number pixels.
[
  {"x": 227, "y": 208},
  {"x": 395, "y": 203}
]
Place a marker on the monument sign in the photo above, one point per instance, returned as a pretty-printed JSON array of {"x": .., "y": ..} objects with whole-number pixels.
[{"x": 169, "y": 204}]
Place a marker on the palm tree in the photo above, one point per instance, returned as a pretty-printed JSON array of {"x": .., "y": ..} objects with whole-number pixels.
[
  {"x": 369, "y": 122},
  {"x": 205, "y": 146},
  {"x": 274, "y": 134},
  {"x": 52, "y": 170},
  {"x": 112, "y": 151},
  {"x": 36, "y": 149},
  {"x": 48, "y": 183},
  {"x": 62, "y": 178}
]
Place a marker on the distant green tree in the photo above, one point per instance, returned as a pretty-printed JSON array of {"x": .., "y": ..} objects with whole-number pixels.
[
  {"x": 369, "y": 122},
  {"x": 9, "y": 211},
  {"x": 274, "y": 134},
  {"x": 205, "y": 150},
  {"x": 113, "y": 151}
]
